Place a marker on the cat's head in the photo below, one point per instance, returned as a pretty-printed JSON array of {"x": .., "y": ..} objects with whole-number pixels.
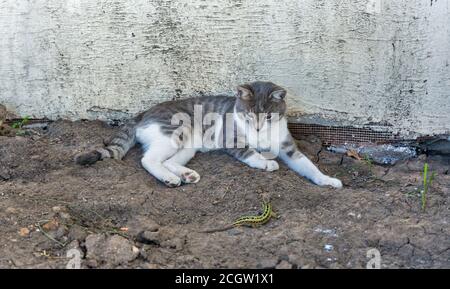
[{"x": 260, "y": 103}]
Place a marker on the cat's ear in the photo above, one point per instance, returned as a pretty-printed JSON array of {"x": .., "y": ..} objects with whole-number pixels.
[
  {"x": 278, "y": 94},
  {"x": 244, "y": 92}
]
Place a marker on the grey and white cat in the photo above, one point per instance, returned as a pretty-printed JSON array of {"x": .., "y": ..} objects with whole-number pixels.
[{"x": 256, "y": 108}]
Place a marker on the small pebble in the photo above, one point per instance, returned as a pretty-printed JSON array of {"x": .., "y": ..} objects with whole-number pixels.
[
  {"x": 11, "y": 210},
  {"x": 24, "y": 232},
  {"x": 56, "y": 209},
  {"x": 284, "y": 265},
  {"x": 64, "y": 216}
]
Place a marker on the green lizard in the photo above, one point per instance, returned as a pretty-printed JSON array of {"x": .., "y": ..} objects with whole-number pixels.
[{"x": 253, "y": 221}]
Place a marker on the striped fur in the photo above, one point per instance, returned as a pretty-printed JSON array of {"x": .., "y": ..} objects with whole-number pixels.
[{"x": 116, "y": 148}]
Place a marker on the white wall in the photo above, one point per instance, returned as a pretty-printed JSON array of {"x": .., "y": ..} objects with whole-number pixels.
[{"x": 357, "y": 62}]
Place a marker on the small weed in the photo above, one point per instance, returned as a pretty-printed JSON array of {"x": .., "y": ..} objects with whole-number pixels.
[
  {"x": 427, "y": 181},
  {"x": 18, "y": 125},
  {"x": 368, "y": 162}
]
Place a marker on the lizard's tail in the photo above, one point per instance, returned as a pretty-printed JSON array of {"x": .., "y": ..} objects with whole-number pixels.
[{"x": 218, "y": 229}]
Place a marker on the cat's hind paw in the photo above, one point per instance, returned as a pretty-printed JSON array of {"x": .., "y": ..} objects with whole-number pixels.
[
  {"x": 190, "y": 177},
  {"x": 172, "y": 182}
]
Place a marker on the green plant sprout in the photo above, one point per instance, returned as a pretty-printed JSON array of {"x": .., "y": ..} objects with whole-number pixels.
[
  {"x": 426, "y": 185},
  {"x": 368, "y": 161},
  {"x": 18, "y": 125}
]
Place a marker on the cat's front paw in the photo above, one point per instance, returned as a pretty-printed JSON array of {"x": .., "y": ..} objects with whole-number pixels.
[
  {"x": 272, "y": 166},
  {"x": 329, "y": 181}
]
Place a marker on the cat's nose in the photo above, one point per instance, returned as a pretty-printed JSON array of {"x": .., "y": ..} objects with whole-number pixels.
[{"x": 257, "y": 129}]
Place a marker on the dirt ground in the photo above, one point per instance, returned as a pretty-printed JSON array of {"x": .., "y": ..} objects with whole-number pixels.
[{"x": 118, "y": 216}]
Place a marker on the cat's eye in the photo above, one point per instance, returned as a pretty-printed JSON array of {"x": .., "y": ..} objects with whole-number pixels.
[
  {"x": 249, "y": 116},
  {"x": 269, "y": 116}
]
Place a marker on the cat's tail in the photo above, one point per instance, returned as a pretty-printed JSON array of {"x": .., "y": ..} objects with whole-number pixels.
[{"x": 116, "y": 148}]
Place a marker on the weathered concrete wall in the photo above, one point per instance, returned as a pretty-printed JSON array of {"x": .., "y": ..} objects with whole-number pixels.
[{"x": 355, "y": 62}]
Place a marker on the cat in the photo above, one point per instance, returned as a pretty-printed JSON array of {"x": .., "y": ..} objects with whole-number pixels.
[{"x": 167, "y": 140}]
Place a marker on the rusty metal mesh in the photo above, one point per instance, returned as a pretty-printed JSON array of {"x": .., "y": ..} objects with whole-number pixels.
[{"x": 333, "y": 135}]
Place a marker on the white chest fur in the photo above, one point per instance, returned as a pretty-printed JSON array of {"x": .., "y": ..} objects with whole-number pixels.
[{"x": 268, "y": 138}]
